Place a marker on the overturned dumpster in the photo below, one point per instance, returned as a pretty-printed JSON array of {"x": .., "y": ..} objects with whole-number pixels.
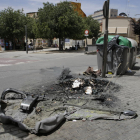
[
  {"x": 71, "y": 98},
  {"x": 119, "y": 54}
]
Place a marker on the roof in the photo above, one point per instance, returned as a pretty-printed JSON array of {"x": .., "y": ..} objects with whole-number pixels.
[{"x": 31, "y": 12}]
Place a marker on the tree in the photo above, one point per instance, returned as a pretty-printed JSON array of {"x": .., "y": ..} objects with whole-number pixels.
[
  {"x": 60, "y": 21},
  {"x": 12, "y": 24},
  {"x": 69, "y": 24},
  {"x": 93, "y": 26},
  {"x": 44, "y": 21},
  {"x": 136, "y": 27},
  {"x": 31, "y": 28}
]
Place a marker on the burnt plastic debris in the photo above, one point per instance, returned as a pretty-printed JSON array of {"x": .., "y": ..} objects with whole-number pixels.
[
  {"x": 64, "y": 74},
  {"x": 41, "y": 113},
  {"x": 129, "y": 113},
  {"x": 5, "y": 92},
  {"x": 91, "y": 72},
  {"x": 28, "y": 103},
  {"x": 59, "y": 102}
]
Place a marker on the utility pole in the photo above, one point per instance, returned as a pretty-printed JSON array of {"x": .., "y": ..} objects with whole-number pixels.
[
  {"x": 106, "y": 15},
  {"x": 86, "y": 34},
  {"x": 26, "y": 39}
]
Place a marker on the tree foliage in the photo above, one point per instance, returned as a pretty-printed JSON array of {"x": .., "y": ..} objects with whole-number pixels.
[
  {"x": 31, "y": 27},
  {"x": 45, "y": 22},
  {"x": 53, "y": 21},
  {"x": 60, "y": 21},
  {"x": 12, "y": 24},
  {"x": 68, "y": 23},
  {"x": 136, "y": 27},
  {"x": 93, "y": 26}
]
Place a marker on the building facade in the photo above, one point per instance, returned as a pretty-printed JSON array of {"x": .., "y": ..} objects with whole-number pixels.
[
  {"x": 98, "y": 15},
  {"x": 32, "y": 14},
  {"x": 78, "y": 8},
  {"x": 119, "y": 26}
]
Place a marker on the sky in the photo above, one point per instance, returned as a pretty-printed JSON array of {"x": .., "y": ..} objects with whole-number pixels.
[{"x": 131, "y": 7}]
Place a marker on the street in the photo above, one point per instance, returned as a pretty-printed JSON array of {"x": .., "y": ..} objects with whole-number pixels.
[
  {"x": 19, "y": 70},
  {"x": 26, "y": 71}
]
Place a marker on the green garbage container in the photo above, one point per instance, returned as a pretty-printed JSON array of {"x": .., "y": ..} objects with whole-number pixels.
[{"x": 118, "y": 53}]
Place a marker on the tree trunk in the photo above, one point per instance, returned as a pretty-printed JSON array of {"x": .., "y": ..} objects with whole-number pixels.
[
  {"x": 60, "y": 44},
  {"x": 64, "y": 42},
  {"x": 139, "y": 41}
]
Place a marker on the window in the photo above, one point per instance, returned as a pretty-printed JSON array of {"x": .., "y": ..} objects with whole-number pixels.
[{"x": 97, "y": 16}]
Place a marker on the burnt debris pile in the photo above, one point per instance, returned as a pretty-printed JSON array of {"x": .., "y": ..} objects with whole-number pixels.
[
  {"x": 82, "y": 86},
  {"x": 70, "y": 97}
]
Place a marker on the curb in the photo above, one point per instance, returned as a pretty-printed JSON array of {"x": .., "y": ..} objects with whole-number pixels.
[{"x": 94, "y": 52}]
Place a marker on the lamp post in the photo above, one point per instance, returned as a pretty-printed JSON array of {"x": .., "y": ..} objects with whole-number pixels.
[{"x": 26, "y": 38}]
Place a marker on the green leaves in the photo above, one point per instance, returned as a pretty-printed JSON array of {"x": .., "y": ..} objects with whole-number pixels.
[
  {"x": 93, "y": 26},
  {"x": 136, "y": 26},
  {"x": 60, "y": 21},
  {"x": 12, "y": 23}
]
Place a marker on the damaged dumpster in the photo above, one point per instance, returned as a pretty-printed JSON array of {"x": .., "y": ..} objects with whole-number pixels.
[
  {"x": 133, "y": 53},
  {"x": 118, "y": 54}
]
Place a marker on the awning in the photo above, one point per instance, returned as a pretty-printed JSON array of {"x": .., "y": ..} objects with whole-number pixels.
[
  {"x": 122, "y": 30},
  {"x": 112, "y": 30}
]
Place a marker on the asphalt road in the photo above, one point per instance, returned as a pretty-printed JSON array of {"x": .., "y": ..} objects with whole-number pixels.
[{"x": 22, "y": 71}]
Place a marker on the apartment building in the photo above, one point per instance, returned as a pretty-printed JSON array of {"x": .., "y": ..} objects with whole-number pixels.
[
  {"x": 98, "y": 15},
  {"x": 119, "y": 26}
]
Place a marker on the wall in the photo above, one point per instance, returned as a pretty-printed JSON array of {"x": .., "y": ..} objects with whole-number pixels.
[
  {"x": 120, "y": 22},
  {"x": 78, "y": 8},
  {"x": 113, "y": 13}
]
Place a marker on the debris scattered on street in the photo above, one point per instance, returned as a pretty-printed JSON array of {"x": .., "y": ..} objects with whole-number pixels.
[
  {"x": 129, "y": 70},
  {"x": 77, "y": 83},
  {"x": 81, "y": 97},
  {"x": 129, "y": 113},
  {"x": 88, "y": 90},
  {"x": 94, "y": 73}
]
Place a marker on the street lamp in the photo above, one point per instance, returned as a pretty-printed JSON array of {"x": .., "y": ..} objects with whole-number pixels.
[{"x": 26, "y": 38}]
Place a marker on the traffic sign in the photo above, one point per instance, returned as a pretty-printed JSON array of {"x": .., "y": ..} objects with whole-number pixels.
[
  {"x": 86, "y": 32},
  {"x": 105, "y": 9}
]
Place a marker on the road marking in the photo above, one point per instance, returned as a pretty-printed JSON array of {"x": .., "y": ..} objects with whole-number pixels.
[
  {"x": 11, "y": 61},
  {"x": 19, "y": 63},
  {"x": 2, "y": 65}
]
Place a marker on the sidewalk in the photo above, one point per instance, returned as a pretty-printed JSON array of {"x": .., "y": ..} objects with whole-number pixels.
[
  {"x": 56, "y": 50},
  {"x": 98, "y": 129},
  {"x": 51, "y": 50}
]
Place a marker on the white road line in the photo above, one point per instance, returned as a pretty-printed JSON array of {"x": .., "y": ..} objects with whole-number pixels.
[
  {"x": 19, "y": 63},
  {"x": 2, "y": 65}
]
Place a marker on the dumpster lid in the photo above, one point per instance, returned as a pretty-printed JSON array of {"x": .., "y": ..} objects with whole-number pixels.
[
  {"x": 121, "y": 40},
  {"x": 133, "y": 42}
]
